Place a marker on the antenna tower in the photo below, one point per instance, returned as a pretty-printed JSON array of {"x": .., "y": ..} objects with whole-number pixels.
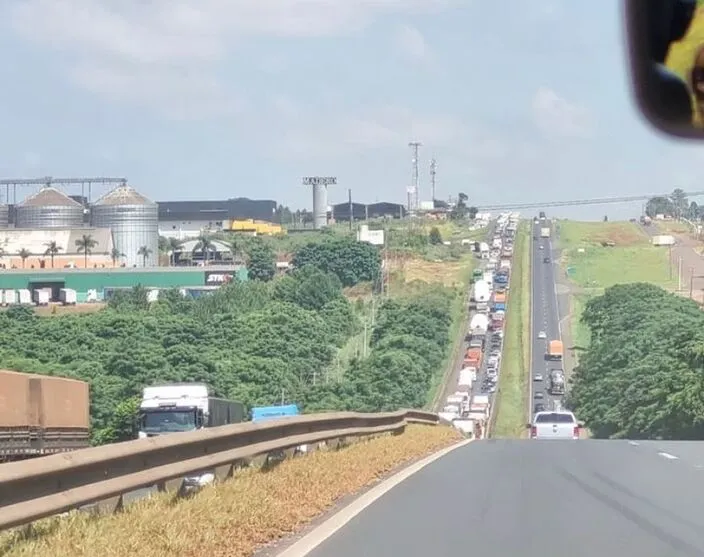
[
  {"x": 413, "y": 189},
  {"x": 433, "y": 166}
]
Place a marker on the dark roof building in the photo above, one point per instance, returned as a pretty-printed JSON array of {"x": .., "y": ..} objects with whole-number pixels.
[
  {"x": 233, "y": 209},
  {"x": 341, "y": 211},
  {"x": 393, "y": 210}
]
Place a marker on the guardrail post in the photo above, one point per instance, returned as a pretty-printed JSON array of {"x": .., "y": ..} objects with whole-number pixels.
[
  {"x": 108, "y": 506},
  {"x": 170, "y": 485}
]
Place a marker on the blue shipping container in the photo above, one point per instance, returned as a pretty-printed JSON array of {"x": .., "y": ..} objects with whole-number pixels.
[{"x": 263, "y": 413}]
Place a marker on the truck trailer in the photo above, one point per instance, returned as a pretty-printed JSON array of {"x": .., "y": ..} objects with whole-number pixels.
[
  {"x": 178, "y": 407},
  {"x": 545, "y": 232},
  {"x": 42, "y": 415}
]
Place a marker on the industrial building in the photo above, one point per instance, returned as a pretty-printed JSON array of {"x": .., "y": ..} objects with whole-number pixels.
[
  {"x": 122, "y": 227},
  {"x": 360, "y": 211},
  {"x": 188, "y": 219},
  {"x": 98, "y": 285}
]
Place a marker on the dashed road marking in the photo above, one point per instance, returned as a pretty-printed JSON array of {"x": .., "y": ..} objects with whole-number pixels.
[
  {"x": 668, "y": 456},
  {"x": 633, "y": 443}
]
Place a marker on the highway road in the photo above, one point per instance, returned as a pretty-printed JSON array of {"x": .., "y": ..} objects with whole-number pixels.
[
  {"x": 545, "y": 315},
  {"x": 539, "y": 498}
]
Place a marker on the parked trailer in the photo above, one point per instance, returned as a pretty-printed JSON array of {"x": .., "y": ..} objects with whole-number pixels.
[{"x": 42, "y": 415}]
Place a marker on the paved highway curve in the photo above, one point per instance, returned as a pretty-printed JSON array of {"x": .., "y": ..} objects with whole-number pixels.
[
  {"x": 545, "y": 315},
  {"x": 526, "y": 498}
]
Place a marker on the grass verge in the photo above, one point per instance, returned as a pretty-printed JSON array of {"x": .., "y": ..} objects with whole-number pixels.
[
  {"x": 511, "y": 398},
  {"x": 234, "y": 518}
]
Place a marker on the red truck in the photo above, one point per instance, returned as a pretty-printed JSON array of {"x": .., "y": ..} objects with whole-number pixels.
[
  {"x": 42, "y": 415},
  {"x": 473, "y": 358}
]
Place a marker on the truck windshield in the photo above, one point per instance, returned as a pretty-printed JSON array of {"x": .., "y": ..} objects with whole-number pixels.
[{"x": 168, "y": 421}]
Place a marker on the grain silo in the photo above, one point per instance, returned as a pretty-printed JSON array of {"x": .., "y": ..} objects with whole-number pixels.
[
  {"x": 4, "y": 216},
  {"x": 134, "y": 221},
  {"x": 49, "y": 208}
]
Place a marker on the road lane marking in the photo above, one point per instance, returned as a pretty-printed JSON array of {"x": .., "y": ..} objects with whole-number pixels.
[
  {"x": 668, "y": 456},
  {"x": 633, "y": 443},
  {"x": 317, "y": 536}
]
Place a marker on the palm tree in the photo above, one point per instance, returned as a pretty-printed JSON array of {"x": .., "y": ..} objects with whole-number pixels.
[
  {"x": 115, "y": 254},
  {"x": 85, "y": 245},
  {"x": 203, "y": 245},
  {"x": 24, "y": 254},
  {"x": 145, "y": 252},
  {"x": 52, "y": 250},
  {"x": 174, "y": 244}
]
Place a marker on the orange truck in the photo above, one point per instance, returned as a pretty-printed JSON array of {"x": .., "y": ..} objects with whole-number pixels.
[
  {"x": 42, "y": 415},
  {"x": 555, "y": 350},
  {"x": 473, "y": 358}
]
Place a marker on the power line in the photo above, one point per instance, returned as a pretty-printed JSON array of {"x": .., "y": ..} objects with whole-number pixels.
[{"x": 594, "y": 201}]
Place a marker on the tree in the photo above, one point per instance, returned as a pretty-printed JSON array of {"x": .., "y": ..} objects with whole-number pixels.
[
  {"x": 144, "y": 252},
  {"x": 204, "y": 245},
  {"x": 115, "y": 254},
  {"x": 52, "y": 250},
  {"x": 24, "y": 254},
  {"x": 85, "y": 245},
  {"x": 434, "y": 237},
  {"x": 680, "y": 202},
  {"x": 460, "y": 209},
  {"x": 261, "y": 264},
  {"x": 642, "y": 376},
  {"x": 353, "y": 262},
  {"x": 173, "y": 245},
  {"x": 659, "y": 206}
]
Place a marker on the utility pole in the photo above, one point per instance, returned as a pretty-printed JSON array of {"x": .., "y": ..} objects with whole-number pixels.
[
  {"x": 691, "y": 283},
  {"x": 413, "y": 189},
  {"x": 433, "y": 166},
  {"x": 679, "y": 274}
]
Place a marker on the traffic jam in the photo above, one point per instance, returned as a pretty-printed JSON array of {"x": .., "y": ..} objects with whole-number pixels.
[{"x": 469, "y": 408}]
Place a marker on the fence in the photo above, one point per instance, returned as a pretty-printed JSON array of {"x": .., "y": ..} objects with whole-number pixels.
[{"x": 42, "y": 487}]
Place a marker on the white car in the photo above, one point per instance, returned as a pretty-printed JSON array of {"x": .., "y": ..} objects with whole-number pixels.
[
  {"x": 537, "y": 377},
  {"x": 542, "y": 335},
  {"x": 542, "y": 246},
  {"x": 555, "y": 425}
]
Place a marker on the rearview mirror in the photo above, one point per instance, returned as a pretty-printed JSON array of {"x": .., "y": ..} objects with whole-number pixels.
[{"x": 666, "y": 50}]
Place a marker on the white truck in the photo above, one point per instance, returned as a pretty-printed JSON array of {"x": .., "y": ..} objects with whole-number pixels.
[
  {"x": 68, "y": 296},
  {"x": 545, "y": 232},
  {"x": 554, "y": 425},
  {"x": 481, "y": 293},
  {"x": 178, "y": 407}
]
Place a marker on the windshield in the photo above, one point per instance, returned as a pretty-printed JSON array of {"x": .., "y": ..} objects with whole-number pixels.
[
  {"x": 554, "y": 418},
  {"x": 168, "y": 421}
]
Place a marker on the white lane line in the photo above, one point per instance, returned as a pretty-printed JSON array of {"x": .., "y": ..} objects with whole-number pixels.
[
  {"x": 633, "y": 443},
  {"x": 668, "y": 456}
]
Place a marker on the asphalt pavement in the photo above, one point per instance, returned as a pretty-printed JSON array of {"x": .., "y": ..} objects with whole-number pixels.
[
  {"x": 545, "y": 315},
  {"x": 539, "y": 498}
]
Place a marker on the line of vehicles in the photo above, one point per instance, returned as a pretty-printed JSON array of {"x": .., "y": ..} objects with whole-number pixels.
[
  {"x": 554, "y": 422},
  {"x": 469, "y": 407}
]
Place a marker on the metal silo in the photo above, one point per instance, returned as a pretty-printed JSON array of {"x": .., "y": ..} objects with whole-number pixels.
[
  {"x": 49, "y": 208},
  {"x": 134, "y": 222},
  {"x": 4, "y": 216},
  {"x": 320, "y": 206}
]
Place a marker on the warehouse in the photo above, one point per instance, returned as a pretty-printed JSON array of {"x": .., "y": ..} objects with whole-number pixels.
[{"x": 96, "y": 285}]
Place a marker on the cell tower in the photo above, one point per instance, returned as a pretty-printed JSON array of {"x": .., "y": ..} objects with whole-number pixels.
[
  {"x": 433, "y": 167},
  {"x": 413, "y": 189}
]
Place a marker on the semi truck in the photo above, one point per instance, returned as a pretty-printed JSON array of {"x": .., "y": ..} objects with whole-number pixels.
[
  {"x": 42, "y": 415},
  {"x": 178, "y": 407},
  {"x": 555, "y": 350},
  {"x": 545, "y": 232}
]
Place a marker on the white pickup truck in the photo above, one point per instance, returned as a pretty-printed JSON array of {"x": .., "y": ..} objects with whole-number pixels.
[{"x": 554, "y": 425}]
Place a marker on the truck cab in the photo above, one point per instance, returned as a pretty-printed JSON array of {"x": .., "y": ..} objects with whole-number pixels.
[{"x": 554, "y": 425}]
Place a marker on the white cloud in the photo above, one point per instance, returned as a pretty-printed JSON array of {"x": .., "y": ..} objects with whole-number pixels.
[
  {"x": 557, "y": 117},
  {"x": 411, "y": 43},
  {"x": 150, "y": 46}
]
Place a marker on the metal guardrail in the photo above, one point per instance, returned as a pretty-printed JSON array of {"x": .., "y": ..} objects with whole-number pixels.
[{"x": 38, "y": 488}]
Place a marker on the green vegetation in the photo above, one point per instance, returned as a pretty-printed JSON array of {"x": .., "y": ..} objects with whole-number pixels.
[
  {"x": 511, "y": 399},
  {"x": 256, "y": 342},
  {"x": 597, "y": 255},
  {"x": 642, "y": 375}
]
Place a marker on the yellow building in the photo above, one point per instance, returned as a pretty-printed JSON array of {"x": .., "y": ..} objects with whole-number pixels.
[{"x": 254, "y": 227}]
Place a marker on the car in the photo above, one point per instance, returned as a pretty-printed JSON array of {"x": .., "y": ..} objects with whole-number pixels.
[
  {"x": 546, "y": 260},
  {"x": 538, "y": 377},
  {"x": 538, "y": 395},
  {"x": 540, "y": 407},
  {"x": 542, "y": 246},
  {"x": 555, "y": 425},
  {"x": 542, "y": 335}
]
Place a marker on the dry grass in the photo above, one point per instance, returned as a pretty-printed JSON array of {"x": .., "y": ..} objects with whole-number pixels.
[
  {"x": 234, "y": 518},
  {"x": 580, "y": 234},
  {"x": 57, "y": 309},
  {"x": 448, "y": 273}
]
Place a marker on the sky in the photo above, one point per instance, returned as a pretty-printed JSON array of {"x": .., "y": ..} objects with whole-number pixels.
[{"x": 209, "y": 99}]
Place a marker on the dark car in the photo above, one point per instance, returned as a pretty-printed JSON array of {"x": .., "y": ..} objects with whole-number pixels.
[
  {"x": 546, "y": 260},
  {"x": 540, "y": 407}
]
